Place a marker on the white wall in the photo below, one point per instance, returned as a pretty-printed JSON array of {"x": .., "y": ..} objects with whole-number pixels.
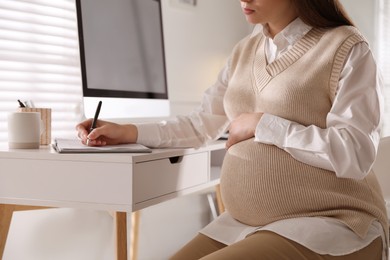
[
  {"x": 198, "y": 39},
  {"x": 363, "y": 13}
]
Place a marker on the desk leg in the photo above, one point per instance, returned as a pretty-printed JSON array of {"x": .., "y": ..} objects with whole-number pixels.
[
  {"x": 125, "y": 242},
  {"x": 121, "y": 221},
  {"x": 127, "y": 246},
  {"x": 5, "y": 222},
  {"x": 121, "y": 235},
  {"x": 6, "y": 212},
  {"x": 221, "y": 207},
  {"x": 135, "y": 219}
]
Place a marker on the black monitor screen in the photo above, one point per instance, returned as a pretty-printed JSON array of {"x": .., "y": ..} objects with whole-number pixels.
[{"x": 122, "y": 48}]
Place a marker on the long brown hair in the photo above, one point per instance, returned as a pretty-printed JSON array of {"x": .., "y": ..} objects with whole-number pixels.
[{"x": 322, "y": 13}]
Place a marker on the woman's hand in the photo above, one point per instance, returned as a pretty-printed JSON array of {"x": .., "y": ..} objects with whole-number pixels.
[
  {"x": 106, "y": 133},
  {"x": 243, "y": 127}
]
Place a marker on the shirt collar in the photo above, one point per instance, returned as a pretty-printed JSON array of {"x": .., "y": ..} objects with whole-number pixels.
[{"x": 288, "y": 36}]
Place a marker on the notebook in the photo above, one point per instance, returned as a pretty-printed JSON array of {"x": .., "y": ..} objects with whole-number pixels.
[{"x": 64, "y": 145}]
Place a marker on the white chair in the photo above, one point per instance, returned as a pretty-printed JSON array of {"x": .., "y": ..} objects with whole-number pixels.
[{"x": 382, "y": 169}]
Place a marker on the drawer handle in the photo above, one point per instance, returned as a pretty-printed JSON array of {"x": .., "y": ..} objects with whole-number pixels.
[{"x": 175, "y": 159}]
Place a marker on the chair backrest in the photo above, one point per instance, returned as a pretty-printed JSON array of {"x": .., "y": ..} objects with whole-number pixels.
[{"x": 382, "y": 167}]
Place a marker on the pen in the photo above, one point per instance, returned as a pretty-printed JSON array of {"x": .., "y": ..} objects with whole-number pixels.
[
  {"x": 95, "y": 118},
  {"x": 21, "y": 103}
]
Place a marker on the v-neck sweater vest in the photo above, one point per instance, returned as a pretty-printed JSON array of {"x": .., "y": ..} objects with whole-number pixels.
[{"x": 262, "y": 183}]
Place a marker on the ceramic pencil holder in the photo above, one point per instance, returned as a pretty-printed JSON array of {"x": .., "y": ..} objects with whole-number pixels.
[{"x": 46, "y": 120}]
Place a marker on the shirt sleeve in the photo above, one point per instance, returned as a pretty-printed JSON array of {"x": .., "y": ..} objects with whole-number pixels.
[
  {"x": 349, "y": 143},
  {"x": 206, "y": 123}
]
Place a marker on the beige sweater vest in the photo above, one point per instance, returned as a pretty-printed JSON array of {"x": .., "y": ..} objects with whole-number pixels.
[{"x": 261, "y": 183}]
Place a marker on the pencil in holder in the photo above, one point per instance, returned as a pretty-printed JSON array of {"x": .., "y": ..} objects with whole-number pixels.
[{"x": 46, "y": 120}]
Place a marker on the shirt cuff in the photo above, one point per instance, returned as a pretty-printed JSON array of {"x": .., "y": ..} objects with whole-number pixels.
[
  {"x": 272, "y": 130},
  {"x": 148, "y": 134}
]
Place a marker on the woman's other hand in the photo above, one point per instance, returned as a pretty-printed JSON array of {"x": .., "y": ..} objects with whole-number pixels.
[
  {"x": 243, "y": 127},
  {"x": 106, "y": 133}
]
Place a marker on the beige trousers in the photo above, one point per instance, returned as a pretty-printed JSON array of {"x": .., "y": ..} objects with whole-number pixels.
[{"x": 265, "y": 245}]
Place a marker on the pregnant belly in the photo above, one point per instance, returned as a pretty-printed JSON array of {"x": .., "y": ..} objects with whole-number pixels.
[{"x": 261, "y": 183}]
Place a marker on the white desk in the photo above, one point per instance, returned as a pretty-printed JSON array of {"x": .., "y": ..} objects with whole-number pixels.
[{"x": 114, "y": 182}]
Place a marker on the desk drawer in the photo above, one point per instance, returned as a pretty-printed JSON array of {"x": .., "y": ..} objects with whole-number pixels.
[{"x": 156, "y": 178}]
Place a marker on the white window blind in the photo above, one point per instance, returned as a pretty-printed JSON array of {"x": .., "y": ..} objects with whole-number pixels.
[
  {"x": 383, "y": 57},
  {"x": 39, "y": 61}
]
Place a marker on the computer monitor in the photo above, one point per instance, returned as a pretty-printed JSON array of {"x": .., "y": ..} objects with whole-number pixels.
[{"x": 122, "y": 58}]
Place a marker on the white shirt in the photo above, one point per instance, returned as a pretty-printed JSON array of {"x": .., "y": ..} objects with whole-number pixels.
[{"x": 353, "y": 122}]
